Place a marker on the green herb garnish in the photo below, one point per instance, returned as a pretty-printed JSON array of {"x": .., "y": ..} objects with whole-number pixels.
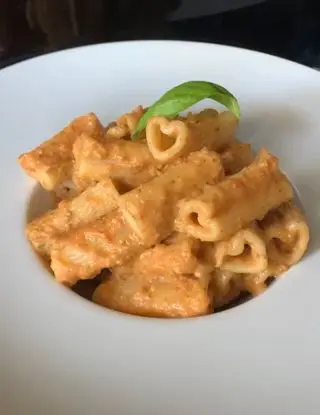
[{"x": 184, "y": 96}]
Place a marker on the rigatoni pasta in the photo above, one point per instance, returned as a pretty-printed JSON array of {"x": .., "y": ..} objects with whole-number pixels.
[
  {"x": 223, "y": 209},
  {"x": 179, "y": 223},
  {"x": 51, "y": 163},
  {"x": 179, "y": 257},
  {"x": 93, "y": 203},
  {"x": 244, "y": 252},
  {"x": 286, "y": 235},
  {"x": 212, "y": 130},
  {"x": 155, "y": 296},
  {"x": 168, "y": 140},
  {"x": 144, "y": 217},
  {"x": 85, "y": 251},
  {"x": 165, "y": 281},
  {"x": 127, "y": 162}
]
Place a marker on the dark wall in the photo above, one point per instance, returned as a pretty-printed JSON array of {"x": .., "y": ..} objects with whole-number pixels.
[
  {"x": 288, "y": 28},
  {"x": 35, "y": 25}
]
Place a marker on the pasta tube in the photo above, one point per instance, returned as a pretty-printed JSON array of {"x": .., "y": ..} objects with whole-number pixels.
[
  {"x": 93, "y": 203},
  {"x": 244, "y": 252},
  {"x": 144, "y": 218},
  {"x": 128, "y": 162},
  {"x": 158, "y": 290},
  {"x": 213, "y": 132},
  {"x": 151, "y": 209},
  {"x": 235, "y": 202},
  {"x": 168, "y": 140},
  {"x": 178, "y": 258},
  {"x": 51, "y": 163},
  {"x": 84, "y": 252},
  {"x": 286, "y": 234}
]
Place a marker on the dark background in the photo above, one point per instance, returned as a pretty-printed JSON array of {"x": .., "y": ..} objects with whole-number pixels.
[{"x": 287, "y": 28}]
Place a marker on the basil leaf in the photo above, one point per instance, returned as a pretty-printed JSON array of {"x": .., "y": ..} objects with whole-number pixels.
[{"x": 184, "y": 96}]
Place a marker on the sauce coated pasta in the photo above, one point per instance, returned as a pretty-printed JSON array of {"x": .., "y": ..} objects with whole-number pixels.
[{"x": 178, "y": 223}]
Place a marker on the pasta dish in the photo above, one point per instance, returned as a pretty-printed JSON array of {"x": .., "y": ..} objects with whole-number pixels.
[{"x": 178, "y": 223}]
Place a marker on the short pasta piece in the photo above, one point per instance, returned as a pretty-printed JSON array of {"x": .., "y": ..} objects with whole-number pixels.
[
  {"x": 51, "y": 163},
  {"x": 212, "y": 130},
  {"x": 178, "y": 258},
  {"x": 286, "y": 234},
  {"x": 84, "y": 252},
  {"x": 167, "y": 140},
  {"x": 87, "y": 207},
  {"x": 175, "y": 296},
  {"x": 223, "y": 209},
  {"x": 149, "y": 286},
  {"x": 244, "y": 252},
  {"x": 170, "y": 139},
  {"x": 130, "y": 163}
]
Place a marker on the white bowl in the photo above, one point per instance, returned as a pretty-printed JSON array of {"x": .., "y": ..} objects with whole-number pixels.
[{"x": 63, "y": 355}]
